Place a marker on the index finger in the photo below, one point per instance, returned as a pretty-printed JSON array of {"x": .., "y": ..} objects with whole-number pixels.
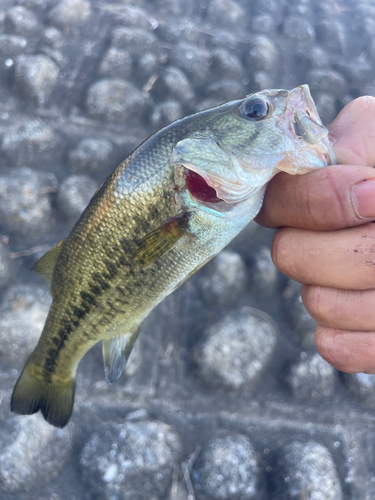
[{"x": 330, "y": 198}]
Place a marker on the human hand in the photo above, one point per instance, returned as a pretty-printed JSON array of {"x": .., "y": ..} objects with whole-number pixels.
[{"x": 327, "y": 240}]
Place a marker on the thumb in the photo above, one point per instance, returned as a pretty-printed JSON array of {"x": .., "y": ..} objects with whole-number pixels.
[{"x": 353, "y": 133}]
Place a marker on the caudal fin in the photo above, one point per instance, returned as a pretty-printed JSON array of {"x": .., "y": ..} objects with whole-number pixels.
[{"x": 32, "y": 393}]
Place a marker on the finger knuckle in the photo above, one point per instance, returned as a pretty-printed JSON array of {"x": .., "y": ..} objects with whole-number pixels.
[{"x": 279, "y": 249}]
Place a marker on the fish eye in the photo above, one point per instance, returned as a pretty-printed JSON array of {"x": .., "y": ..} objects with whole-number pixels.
[{"x": 256, "y": 109}]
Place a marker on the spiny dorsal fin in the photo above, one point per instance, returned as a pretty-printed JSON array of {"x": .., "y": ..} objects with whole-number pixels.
[
  {"x": 116, "y": 352},
  {"x": 46, "y": 264},
  {"x": 161, "y": 240}
]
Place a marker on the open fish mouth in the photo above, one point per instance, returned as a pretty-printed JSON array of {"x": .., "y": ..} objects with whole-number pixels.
[
  {"x": 223, "y": 174},
  {"x": 214, "y": 189},
  {"x": 206, "y": 190},
  {"x": 302, "y": 125}
]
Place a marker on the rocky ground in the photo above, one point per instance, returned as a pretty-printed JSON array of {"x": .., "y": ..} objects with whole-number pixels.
[{"x": 224, "y": 396}]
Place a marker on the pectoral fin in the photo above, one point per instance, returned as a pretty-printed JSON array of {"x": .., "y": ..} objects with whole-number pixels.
[
  {"x": 161, "y": 240},
  {"x": 116, "y": 352},
  {"x": 46, "y": 264}
]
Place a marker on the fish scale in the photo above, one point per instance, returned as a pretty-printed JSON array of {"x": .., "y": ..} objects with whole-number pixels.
[{"x": 146, "y": 230}]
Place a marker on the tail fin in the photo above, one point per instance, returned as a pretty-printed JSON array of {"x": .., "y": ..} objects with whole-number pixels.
[{"x": 33, "y": 393}]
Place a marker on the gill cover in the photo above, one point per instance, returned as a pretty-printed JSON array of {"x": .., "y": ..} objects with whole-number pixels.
[{"x": 233, "y": 180}]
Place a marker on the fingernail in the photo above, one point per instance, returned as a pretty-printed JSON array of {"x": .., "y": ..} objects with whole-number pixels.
[{"x": 363, "y": 199}]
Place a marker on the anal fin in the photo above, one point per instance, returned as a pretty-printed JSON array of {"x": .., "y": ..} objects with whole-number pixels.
[{"x": 116, "y": 352}]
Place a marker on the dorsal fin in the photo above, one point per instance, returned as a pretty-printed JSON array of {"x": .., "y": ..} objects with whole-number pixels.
[
  {"x": 116, "y": 352},
  {"x": 46, "y": 264}
]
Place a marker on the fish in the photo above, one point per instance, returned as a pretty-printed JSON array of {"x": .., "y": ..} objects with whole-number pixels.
[{"x": 167, "y": 209}]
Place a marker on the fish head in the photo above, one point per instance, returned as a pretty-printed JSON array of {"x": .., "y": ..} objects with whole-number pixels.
[{"x": 236, "y": 148}]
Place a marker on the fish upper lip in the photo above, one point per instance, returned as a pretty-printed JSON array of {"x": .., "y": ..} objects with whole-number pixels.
[{"x": 303, "y": 125}]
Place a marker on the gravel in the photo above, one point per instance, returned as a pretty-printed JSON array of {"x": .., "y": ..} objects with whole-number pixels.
[
  {"x": 223, "y": 279},
  {"x": 11, "y": 45},
  {"x": 115, "y": 100},
  {"x": 235, "y": 350},
  {"x": 264, "y": 274},
  {"x": 311, "y": 378},
  {"x": 90, "y": 155},
  {"x": 7, "y": 267},
  {"x": 263, "y": 55},
  {"x": 74, "y": 195},
  {"x": 361, "y": 386},
  {"x": 132, "y": 460},
  {"x": 36, "y": 77},
  {"x": 31, "y": 142},
  {"x": 227, "y": 469},
  {"x": 116, "y": 63},
  {"x": 309, "y": 472},
  {"x": 70, "y": 13},
  {"x": 31, "y": 452},
  {"x": 25, "y": 207},
  {"x": 23, "y": 311},
  {"x": 174, "y": 83},
  {"x": 20, "y": 21},
  {"x": 299, "y": 319}
]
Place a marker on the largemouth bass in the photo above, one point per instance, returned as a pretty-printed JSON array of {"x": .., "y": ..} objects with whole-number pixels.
[{"x": 168, "y": 208}]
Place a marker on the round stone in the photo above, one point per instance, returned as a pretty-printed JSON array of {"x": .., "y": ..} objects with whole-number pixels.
[
  {"x": 332, "y": 35},
  {"x": 70, "y": 13},
  {"x": 227, "y": 469},
  {"x": 300, "y": 320},
  {"x": 116, "y": 63},
  {"x": 262, "y": 80},
  {"x": 235, "y": 351},
  {"x": 194, "y": 61},
  {"x": 20, "y": 21},
  {"x": 264, "y": 276},
  {"x": 166, "y": 112},
  {"x": 361, "y": 386},
  {"x": 148, "y": 65},
  {"x": 130, "y": 461},
  {"x": 223, "y": 278},
  {"x": 311, "y": 378},
  {"x": 264, "y": 23},
  {"x": 225, "y": 89},
  {"x": 263, "y": 54},
  {"x": 12, "y": 45},
  {"x": 327, "y": 81},
  {"x": 52, "y": 44},
  {"x": 272, "y": 7},
  {"x": 114, "y": 100},
  {"x": 32, "y": 452},
  {"x": 23, "y": 312},
  {"x": 224, "y": 62},
  {"x": 299, "y": 31},
  {"x": 174, "y": 82},
  {"x": 31, "y": 142},
  {"x": 7, "y": 267},
  {"x": 317, "y": 58},
  {"x": 36, "y": 77},
  {"x": 74, "y": 195},
  {"x": 136, "y": 41},
  {"x": 226, "y": 12},
  {"x": 326, "y": 107},
  {"x": 25, "y": 207},
  {"x": 309, "y": 472},
  {"x": 91, "y": 155}
]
